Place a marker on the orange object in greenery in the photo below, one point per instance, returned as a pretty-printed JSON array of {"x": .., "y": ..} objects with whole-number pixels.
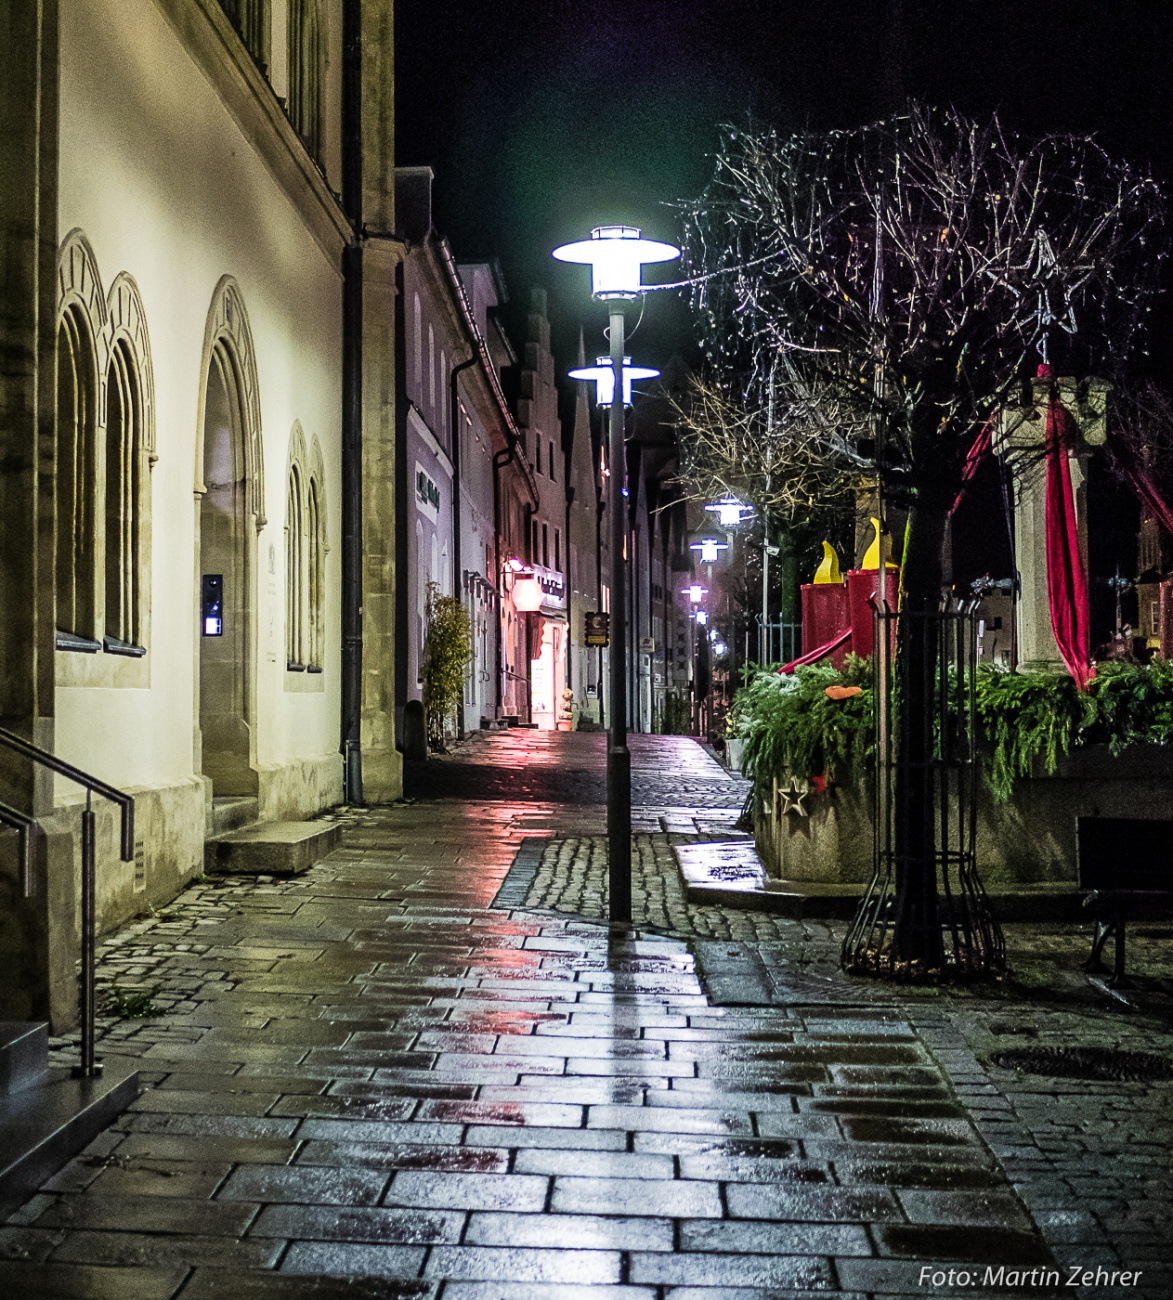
[{"x": 842, "y": 692}]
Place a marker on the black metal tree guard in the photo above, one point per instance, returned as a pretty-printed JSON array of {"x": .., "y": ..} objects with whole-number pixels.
[{"x": 954, "y": 920}]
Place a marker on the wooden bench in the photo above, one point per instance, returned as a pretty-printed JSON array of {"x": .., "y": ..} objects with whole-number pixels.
[{"x": 1126, "y": 865}]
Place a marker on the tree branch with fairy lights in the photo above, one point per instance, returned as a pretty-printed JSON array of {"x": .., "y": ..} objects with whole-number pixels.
[{"x": 883, "y": 291}]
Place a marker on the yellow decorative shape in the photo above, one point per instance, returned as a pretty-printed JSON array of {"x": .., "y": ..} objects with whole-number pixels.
[
  {"x": 871, "y": 558},
  {"x": 828, "y": 570}
]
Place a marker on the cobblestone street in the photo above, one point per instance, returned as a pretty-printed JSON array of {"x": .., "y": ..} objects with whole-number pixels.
[{"x": 402, "y": 1075}]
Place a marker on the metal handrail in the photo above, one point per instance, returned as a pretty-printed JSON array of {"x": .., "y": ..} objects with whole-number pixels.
[
  {"x": 89, "y": 1067},
  {"x": 25, "y": 827}
]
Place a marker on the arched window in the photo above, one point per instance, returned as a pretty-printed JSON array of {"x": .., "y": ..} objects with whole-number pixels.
[
  {"x": 124, "y": 485},
  {"x": 76, "y": 474},
  {"x": 431, "y": 372},
  {"x": 316, "y": 574},
  {"x": 306, "y": 67},
  {"x": 418, "y": 340},
  {"x": 294, "y": 573}
]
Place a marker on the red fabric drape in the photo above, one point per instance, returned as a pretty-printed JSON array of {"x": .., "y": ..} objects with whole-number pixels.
[
  {"x": 819, "y": 652},
  {"x": 978, "y": 451},
  {"x": 1150, "y": 494},
  {"x": 1066, "y": 580}
]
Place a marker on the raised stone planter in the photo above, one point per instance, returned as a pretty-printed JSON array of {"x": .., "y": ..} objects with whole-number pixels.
[{"x": 1029, "y": 842}]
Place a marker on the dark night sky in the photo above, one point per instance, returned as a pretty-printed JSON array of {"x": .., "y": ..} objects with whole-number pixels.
[{"x": 542, "y": 118}]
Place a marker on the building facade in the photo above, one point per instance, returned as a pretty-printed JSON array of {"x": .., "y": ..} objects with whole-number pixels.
[{"x": 175, "y": 426}]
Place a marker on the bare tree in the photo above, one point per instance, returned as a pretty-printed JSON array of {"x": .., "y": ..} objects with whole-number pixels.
[
  {"x": 918, "y": 269},
  {"x": 795, "y": 452},
  {"x": 1140, "y": 446}
]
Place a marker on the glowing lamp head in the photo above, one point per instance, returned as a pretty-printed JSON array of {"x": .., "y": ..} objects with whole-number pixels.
[
  {"x": 615, "y": 255},
  {"x": 602, "y": 375},
  {"x": 695, "y": 592},
  {"x": 527, "y": 593},
  {"x": 701, "y": 617},
  {"x": 710, "y": 548},
  {"x": 730, "y": 512},
  {"x": 719, "y": 647}
]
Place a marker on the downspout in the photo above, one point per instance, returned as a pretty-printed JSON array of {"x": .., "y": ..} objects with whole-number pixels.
[
  {"x": 352, "y": 321},
  {"x": 500, "y": 460},
  {"x": 664, "y": 628},
  {"x": 566, "y": 585},
  {"x": 454, "y": 456},
  {"x": 600, "y": 692}
]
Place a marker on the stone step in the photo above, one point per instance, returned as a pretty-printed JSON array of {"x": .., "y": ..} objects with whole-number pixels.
[
  {"x": 271, "y": 848},
  {"x": 44, "y": 1126},
  {"x": 24, "y": 1054},
  {"x": 729, "y": 873},
  {"x": 230, "y": 812}
]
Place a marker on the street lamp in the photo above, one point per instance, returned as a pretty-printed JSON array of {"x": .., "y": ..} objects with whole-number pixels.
[
  {"x": 602, "y": 375},
  {"x": 695, "y": 593},
  {"x": 730, "y": 511},
  {"x": 616, "y": 255},
  {"x": 702, "y": 617},
  {"x": 710, "y": 548}
]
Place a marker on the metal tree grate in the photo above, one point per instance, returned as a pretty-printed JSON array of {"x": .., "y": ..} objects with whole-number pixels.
[
  {"x": 1108, "y": 1064},
  {"x": 925, "y": 916}
]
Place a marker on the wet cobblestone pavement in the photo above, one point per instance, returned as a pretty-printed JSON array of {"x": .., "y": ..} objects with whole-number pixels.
[{"x": 368, "y": 1082}]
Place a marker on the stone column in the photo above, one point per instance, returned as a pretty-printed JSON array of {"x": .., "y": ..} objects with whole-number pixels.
[
  {"x": 38, "y": 935},
  {"x": 1022, "y": 438},
  {"x": 382, "y": 251}
]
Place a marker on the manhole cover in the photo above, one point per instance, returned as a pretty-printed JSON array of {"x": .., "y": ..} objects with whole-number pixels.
[{"x": 1104, "y": 1063}]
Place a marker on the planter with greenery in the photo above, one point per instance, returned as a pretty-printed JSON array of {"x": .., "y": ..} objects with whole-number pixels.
[
  {"x": 791, "y": 725},
  {"x": 1049, "y": 754},
  {"x": 446, "y": 655}
]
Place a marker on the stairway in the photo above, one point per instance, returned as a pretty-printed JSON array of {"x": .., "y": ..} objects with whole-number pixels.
[
  {"x": 47, "y": 1116},
  {"x": 240, "y": 845}
]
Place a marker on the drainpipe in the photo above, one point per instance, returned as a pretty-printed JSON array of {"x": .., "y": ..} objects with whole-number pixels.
[
  {"x": 500, "y": 460},
  {"x": 352, "y": 306},
  {"x": 566, "y": 575},
  {"x": 454, "y": 456},
  {"x": 599, "y": 691}
]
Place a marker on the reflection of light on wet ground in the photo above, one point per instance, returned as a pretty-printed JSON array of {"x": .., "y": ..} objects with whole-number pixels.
[{"x": 502, "y": 1096}]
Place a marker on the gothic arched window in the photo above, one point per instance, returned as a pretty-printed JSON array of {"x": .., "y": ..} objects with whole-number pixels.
[{"x": 77, "y": 402}]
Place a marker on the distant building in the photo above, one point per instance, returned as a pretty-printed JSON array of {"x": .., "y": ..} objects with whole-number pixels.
[
  {"x": 541, "y": 434},
  {"x": 588, "y": 572},
  {"x": 456, "y": 439}
]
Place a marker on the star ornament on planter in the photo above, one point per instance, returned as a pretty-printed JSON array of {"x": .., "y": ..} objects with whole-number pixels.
[{"x": 792, "y": 798}]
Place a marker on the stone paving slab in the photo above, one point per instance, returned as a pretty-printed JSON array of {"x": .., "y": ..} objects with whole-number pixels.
[{"x": 370, "y": 1081}]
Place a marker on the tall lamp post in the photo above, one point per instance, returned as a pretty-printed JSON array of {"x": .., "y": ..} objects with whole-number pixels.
[{"x": 616, "y": 255}]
